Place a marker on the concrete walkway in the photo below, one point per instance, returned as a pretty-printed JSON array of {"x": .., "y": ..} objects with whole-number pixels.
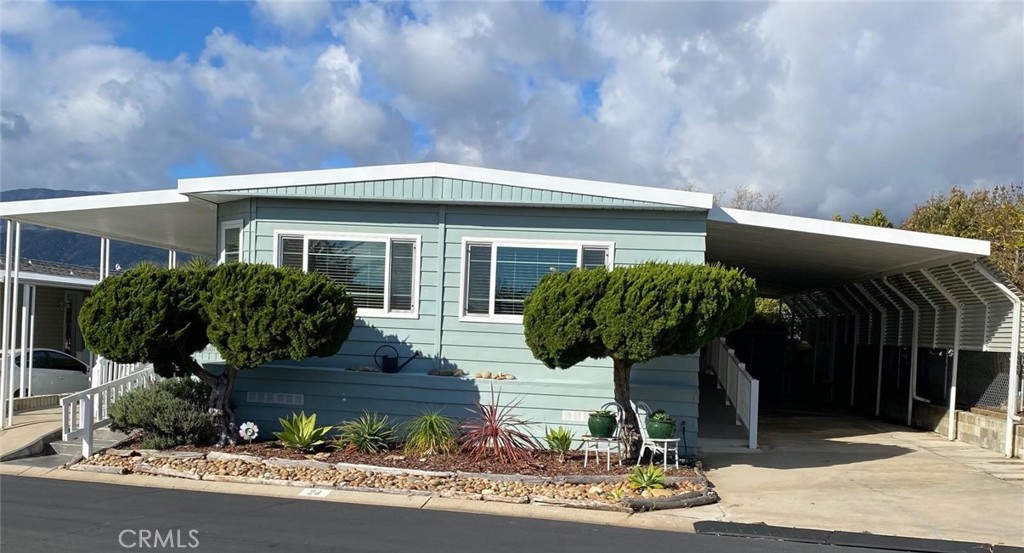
[
  {"x": 28, "y": 428},
  {"x": 855, "y": 474}
]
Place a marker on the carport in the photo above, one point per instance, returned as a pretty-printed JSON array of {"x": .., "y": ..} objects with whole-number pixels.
[{"x": 878, "y": 304}]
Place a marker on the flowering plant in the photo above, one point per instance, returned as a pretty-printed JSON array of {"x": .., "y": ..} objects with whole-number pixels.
[{"x": 249, "y": 431}]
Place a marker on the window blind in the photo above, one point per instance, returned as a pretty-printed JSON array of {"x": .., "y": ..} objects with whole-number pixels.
[
  {"x": 518, "y": 270},
  {"x": 232, "y": 244},
  {"x": 359, "y": 265}
]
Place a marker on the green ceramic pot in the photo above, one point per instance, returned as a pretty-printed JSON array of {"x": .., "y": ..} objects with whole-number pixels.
[
  {"x": 661, "y": 430},
  {"x": 601, "y": 426}
]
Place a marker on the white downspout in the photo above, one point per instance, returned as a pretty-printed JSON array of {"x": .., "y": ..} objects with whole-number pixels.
[
  {"x": 952, "y": 427},
  {"x": 1011, "y": 400},
  {"x": 881, "y": 345},
  {"x": 6, "y": 348}
]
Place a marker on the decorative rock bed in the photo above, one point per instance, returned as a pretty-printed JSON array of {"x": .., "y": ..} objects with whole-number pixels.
[{"x": 607, "y": 493}]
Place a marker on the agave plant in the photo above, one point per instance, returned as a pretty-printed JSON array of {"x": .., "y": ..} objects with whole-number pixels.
[
  {"x": 301, "y": 432},
  {"x": 495, "y": 431},
  {"x": 560, "y": 441},
  {"x": 647, "y": 477}
]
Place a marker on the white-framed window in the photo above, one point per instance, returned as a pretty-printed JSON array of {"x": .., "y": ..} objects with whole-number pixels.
[
  {"x": 380, "y": 271},
  {"x": 231, "y": 241},
  {"x": 498, "y": 274}
]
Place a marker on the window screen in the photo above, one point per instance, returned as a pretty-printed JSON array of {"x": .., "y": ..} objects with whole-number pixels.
[
  {"x": 478, "y": 279},
  {"x": 402, "y": 257},
  {"x": 232, "y": 244},
  {"x": 595, "y": 256},
  {"x": 291, "y": 251}
]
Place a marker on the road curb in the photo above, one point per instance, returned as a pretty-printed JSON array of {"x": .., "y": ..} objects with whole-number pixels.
[{"x": 647, "y": 521}]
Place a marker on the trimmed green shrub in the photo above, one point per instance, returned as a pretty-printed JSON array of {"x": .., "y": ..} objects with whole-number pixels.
[
  {"x": 301, "y": 432},
  {"x": 431, "y": 433},
  {"x": 370, "y": 433},
  {"x": 633, "y": 315},
  {"x": 260, "y": 313},
  {"x": 172, "y": 412}
]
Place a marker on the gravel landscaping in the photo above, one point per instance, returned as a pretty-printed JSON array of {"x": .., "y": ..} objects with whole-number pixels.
[{"x": 592, "y": 491}]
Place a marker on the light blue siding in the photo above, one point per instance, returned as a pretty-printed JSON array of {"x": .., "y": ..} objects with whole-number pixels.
[
  {"x": 439, "y": 190},
  {"x": 549, "y": 397}
]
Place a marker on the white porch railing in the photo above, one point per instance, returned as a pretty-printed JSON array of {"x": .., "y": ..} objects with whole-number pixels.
[
  {"x": 89, "y": 409},
  {"x": 741, "y": 390},
  {"x": 105, "y": 370}
]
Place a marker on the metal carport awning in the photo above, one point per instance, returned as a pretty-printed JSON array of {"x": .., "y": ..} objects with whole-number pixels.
[
  {"x": 160, "y": 218},
  {"x": 902, "y": 288}
]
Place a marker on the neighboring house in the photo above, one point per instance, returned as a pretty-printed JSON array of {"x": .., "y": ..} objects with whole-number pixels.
[
  {"x": 60, "y": 289},
  {"x": 439, "y": 258}
]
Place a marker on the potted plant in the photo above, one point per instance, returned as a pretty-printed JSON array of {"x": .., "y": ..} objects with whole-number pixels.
[
  {"x": 661, "y": 426},
  {"x": 602, "y": 423}
]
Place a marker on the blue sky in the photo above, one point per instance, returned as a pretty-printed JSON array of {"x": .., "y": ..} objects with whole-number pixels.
[{"x": 835, "y": 108}]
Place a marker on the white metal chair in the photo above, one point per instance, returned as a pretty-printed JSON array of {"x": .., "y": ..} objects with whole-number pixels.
[
  {"x": 593, "y": 443},
  {"x": 654, "y": 445}
]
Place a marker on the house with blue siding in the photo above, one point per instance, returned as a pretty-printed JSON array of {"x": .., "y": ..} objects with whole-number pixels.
[{"x": 439, "y": 259}]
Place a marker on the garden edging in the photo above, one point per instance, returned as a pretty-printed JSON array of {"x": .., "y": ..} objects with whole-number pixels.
[{"x": 562, "y": 491}]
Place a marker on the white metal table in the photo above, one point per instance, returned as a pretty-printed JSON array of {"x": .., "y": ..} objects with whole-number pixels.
[{"x": 593, "y": 443}]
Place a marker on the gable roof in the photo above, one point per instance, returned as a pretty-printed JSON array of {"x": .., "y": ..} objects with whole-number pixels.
[{"x": 443, "y": 183}]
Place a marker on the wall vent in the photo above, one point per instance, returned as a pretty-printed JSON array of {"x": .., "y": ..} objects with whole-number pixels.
[{"x": 273, "y": 398}]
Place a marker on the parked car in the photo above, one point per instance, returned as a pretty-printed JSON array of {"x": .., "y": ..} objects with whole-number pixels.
[{"x": 53, "y": 372}]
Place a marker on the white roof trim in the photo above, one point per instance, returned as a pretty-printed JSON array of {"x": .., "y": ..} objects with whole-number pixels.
[
  {"x": 26, "y": 277},
  {"x": 692, "y": 200},
  {"x": 850, "y": 230},
  {"x": 99, "y": 201}
]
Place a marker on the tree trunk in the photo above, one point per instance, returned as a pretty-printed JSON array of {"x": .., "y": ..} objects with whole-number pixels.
[
  {"x": 630, "y": 430},
  {"x": 220, "y": 407}
]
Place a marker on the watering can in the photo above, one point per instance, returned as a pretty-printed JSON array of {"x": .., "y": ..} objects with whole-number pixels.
[{"x": 388, "y": 360}]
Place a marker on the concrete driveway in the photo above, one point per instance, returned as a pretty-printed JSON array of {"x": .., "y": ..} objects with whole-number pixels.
[{"x": 855, "y": 474}]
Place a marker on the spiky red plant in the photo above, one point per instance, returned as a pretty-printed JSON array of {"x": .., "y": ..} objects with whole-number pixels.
[{"x": 496, "y": 431}]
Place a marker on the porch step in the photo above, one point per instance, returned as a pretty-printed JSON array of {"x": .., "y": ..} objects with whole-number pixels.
[{"x": 101, "y": 438}]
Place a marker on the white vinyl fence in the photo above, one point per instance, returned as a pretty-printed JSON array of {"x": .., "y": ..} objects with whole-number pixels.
[
  {"x": 741, "y": 390},
  {"x": 90, "y": 409}
]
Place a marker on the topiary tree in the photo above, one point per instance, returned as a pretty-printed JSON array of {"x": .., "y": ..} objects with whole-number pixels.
[
  {"x": 633, "y": 315},
  {"x": 150, "y": 314},
  {"x": 259, "y": 313},
  {"x": 252, "y": 314}
]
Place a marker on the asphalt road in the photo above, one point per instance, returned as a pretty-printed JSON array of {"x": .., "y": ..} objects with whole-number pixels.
[{"x": 50, "y": 516}]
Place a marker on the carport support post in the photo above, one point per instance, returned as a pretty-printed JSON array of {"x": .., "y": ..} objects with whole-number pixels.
[
  {"x": 15, "y": 278},
  {"x": 5, "y": 346},
  {"x": 1014, "y": 376},
  {"x": 31, "y": 336},
  {"x": 951, "y": 424},
  {"x": 914, "y": 334},
  {"x": 25, "y": 352},
  {"x": 856, "y": 339},
  {"x": 881, "y": 346},
  {"x": 172, "y": 259}
]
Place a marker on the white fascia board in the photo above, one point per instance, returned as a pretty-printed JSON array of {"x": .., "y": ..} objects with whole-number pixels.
[
  {"x": 851, "y": 230},
  {"x": 680, "y": 198},
  {"x": 55, "y": 281},
  {"x": 99, "y": 201}
]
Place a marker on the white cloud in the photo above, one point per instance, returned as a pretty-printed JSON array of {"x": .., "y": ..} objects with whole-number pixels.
[
  {"x": 837, "y": 107},
  {"x": 297, "y": 17}
]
